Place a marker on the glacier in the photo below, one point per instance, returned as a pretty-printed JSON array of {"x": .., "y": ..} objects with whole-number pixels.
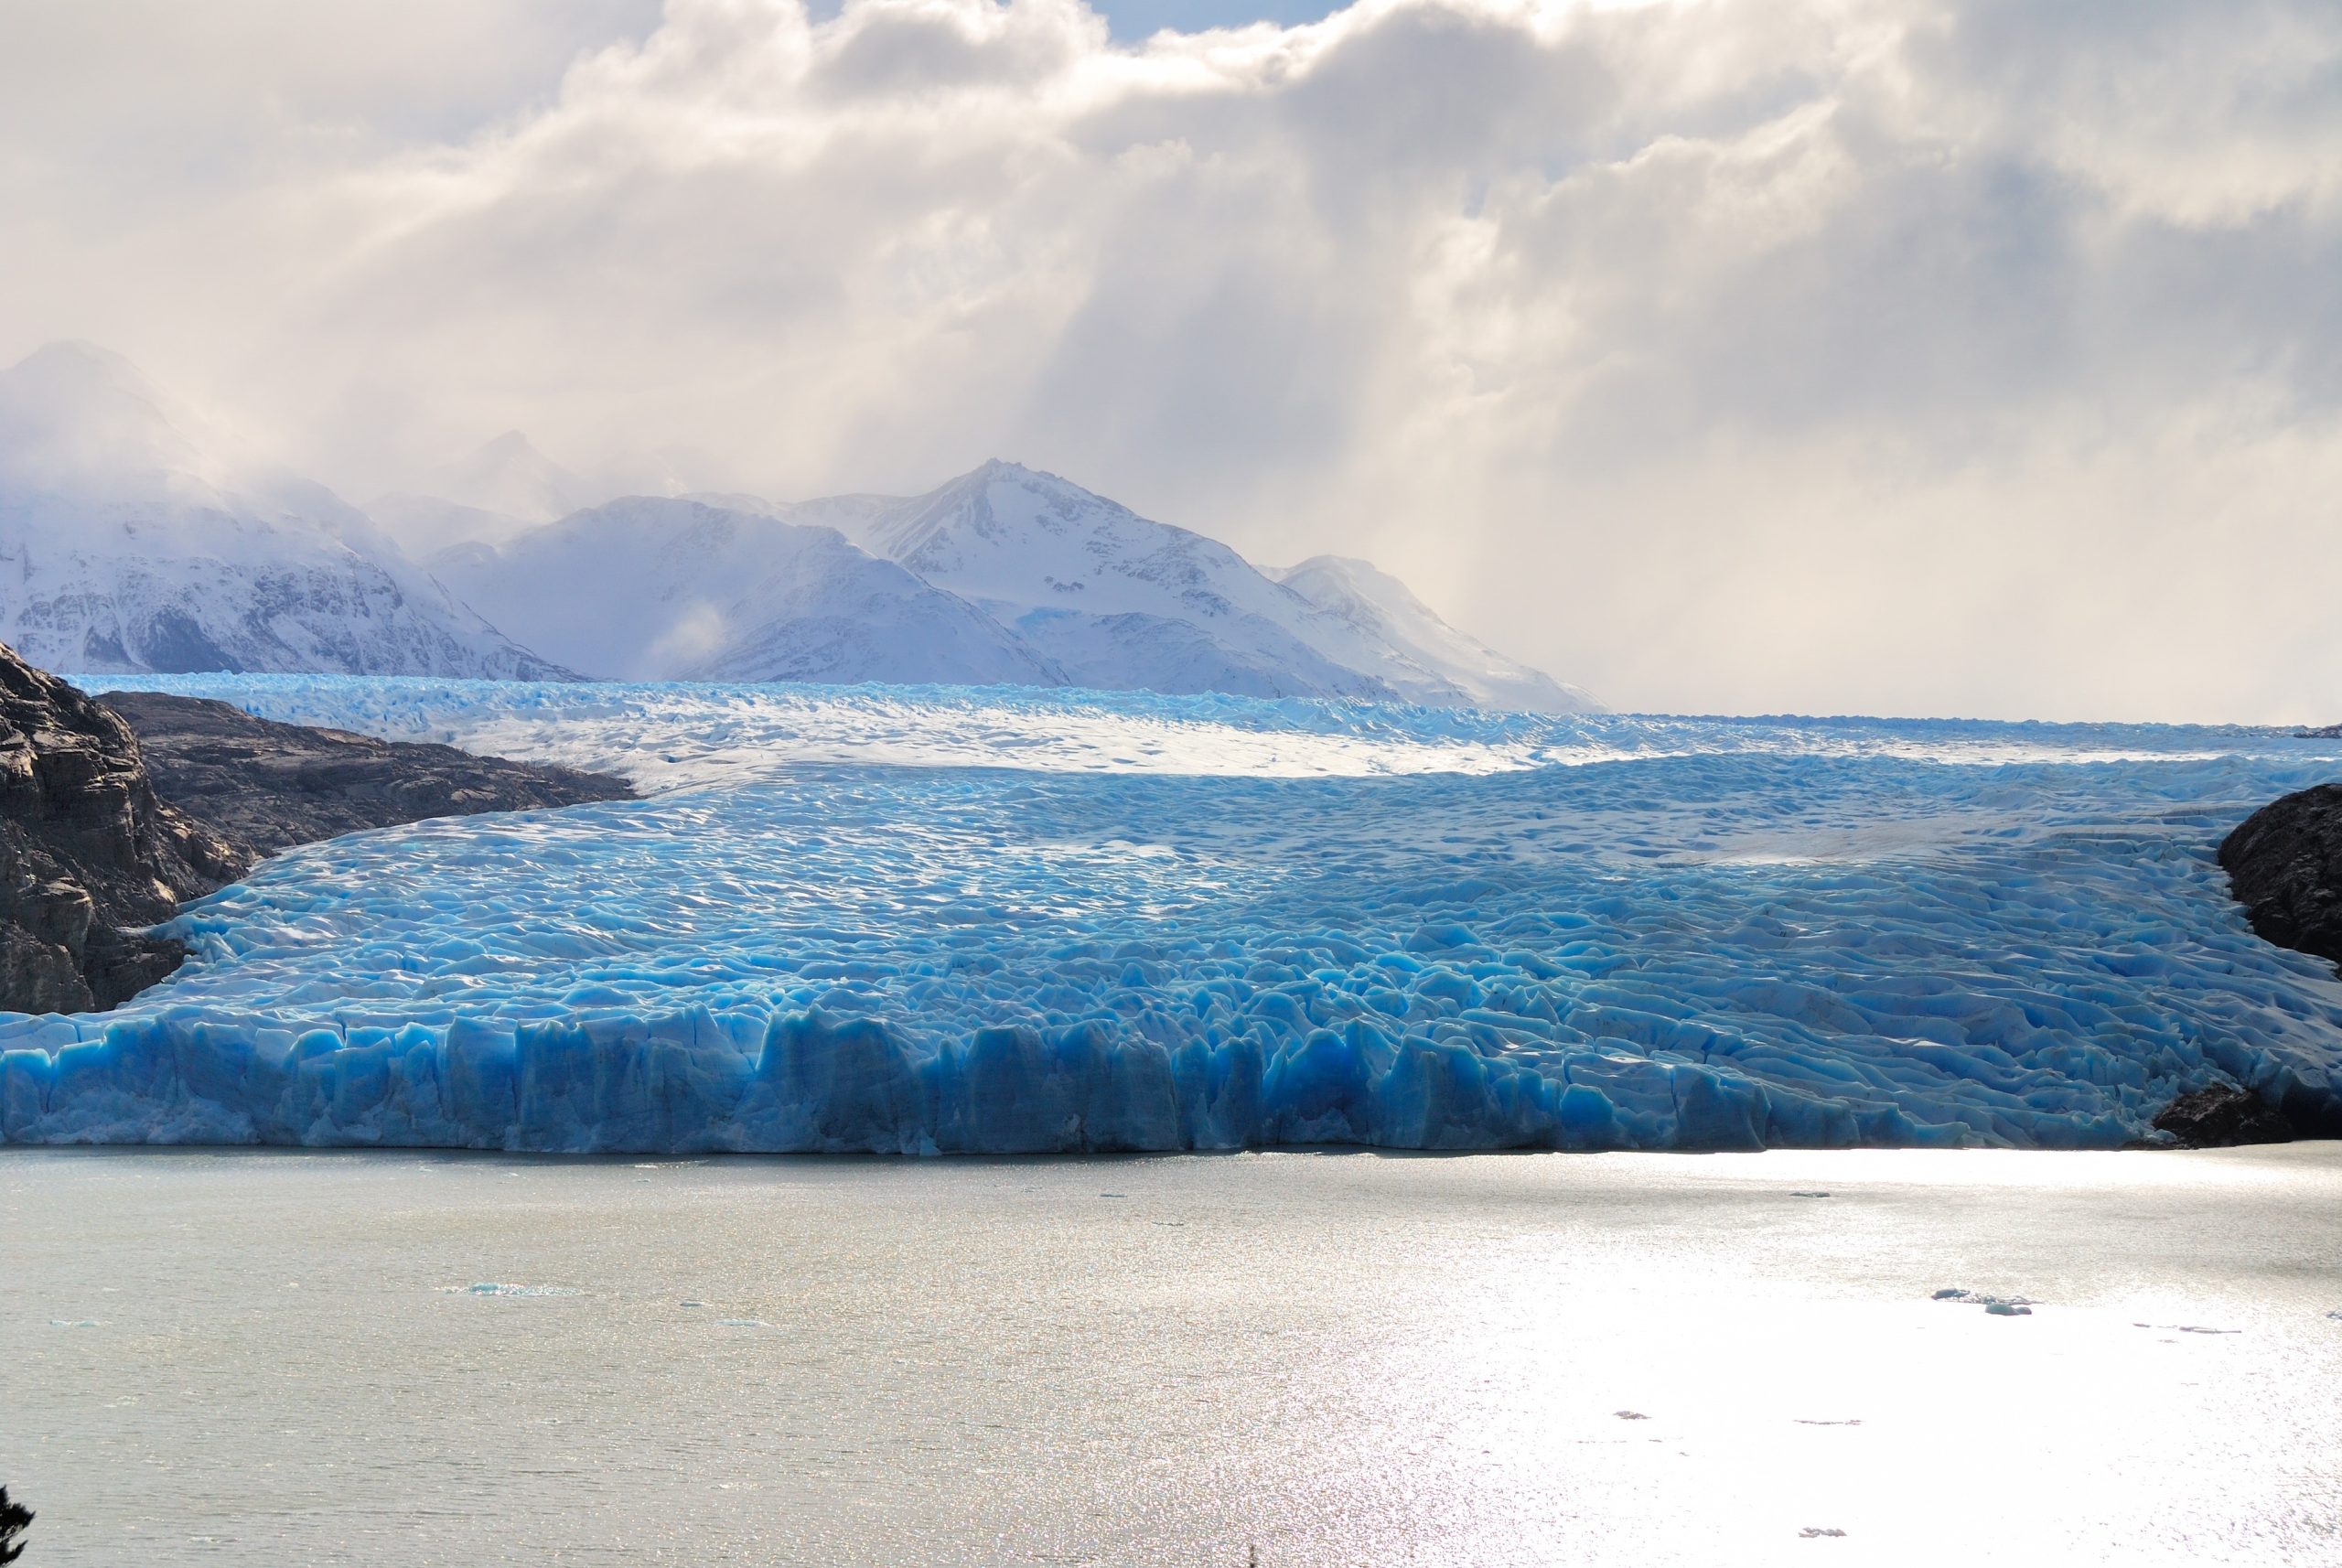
[{"x": 919, "y": 920}]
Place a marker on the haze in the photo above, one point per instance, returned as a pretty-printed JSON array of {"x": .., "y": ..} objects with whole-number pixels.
[{"x": 1761, "y": 355}]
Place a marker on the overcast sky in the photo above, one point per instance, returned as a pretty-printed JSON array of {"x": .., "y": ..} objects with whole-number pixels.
[{"x": 1755, "y": 355}]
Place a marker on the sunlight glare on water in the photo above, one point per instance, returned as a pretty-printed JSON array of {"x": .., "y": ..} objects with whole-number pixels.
[{"x": 277, "y": 1357}]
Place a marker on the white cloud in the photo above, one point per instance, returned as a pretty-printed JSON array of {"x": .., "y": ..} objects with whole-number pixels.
[{"x": 1816, "y": 354}]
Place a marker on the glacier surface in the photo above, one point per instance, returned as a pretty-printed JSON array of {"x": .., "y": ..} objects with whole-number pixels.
[{"x": 932, "y": 919}]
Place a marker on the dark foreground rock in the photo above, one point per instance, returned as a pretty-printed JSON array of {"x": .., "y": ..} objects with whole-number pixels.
[
  {"x": 273, "y": 786},
  {"x": 2285, "y": 864},
  {"x": 2222, "y": 1117},
  {"x": 89, "y": 852},
  {"x": 112, "y": 813}
]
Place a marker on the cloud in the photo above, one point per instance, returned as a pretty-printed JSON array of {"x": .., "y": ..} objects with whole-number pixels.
[{"x": 1970, "y": 356}]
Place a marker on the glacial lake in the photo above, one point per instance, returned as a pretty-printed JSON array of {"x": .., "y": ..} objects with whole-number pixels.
[{"x": 281, "y": 1358}]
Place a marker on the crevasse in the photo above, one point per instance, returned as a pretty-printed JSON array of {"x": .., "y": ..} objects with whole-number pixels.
[{"x": 925, "y": 921}]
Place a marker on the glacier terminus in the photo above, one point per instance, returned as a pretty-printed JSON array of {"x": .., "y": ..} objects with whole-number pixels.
[{"x": 920, "y": 919}]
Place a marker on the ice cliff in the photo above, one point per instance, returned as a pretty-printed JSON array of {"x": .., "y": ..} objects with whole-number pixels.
[{"x": 914, "y": 921}]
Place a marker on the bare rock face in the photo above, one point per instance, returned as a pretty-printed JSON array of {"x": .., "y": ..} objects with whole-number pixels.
[
  {"x": 2221, "y": 1117},
  {"x": 112, "y": 813},
  {"x": 271, "y": 786},
  {"x": 2285, "y": 864},
  {"x": 89, "y": 853}
]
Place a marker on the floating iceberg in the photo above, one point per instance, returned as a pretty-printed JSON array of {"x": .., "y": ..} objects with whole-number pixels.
[{"x": 917, "y": 920}]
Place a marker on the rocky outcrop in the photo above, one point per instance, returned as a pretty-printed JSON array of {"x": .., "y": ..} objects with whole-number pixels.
[
  {"x": 271, "y": 786},
  {"x": 89, "y": 852},
  {"x": 2285, "y": 865},
  {"x": 2221, "y": 1117},
  {"x": 112, "y": 813}
]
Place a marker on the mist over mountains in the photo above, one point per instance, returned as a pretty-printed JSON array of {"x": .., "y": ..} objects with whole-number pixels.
[{"x": 132, "y": 538}]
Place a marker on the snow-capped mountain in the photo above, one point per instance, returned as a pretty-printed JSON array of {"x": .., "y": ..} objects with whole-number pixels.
[
  {"x": 656, "y": 588},
  {"x": 497, "y": 493},
  {"x": 424, "y": 525},
  {"x": 1005, "y": 574},
  {"x": 132, "y": 538},
  {"x": 1427, "y": 661},
  {"x": 509, "y": 476},
  {"x": 1121, "y": 602},
  {"x": 1118, "y": 601}
]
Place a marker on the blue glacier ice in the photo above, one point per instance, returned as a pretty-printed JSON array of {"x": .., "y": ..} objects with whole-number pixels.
[{"x": 923, "y": 920}]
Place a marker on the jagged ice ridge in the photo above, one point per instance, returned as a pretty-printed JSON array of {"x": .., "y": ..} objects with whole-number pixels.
[{"x": 1042, "y": 921}]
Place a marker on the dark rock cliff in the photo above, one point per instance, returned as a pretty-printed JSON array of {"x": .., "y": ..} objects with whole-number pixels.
[
  {"x": 2285, "y": 864},
  {"x": 88, "y": 852},
  {"x": 2220, "y": 1116},
  {"x": 112, "y": 813},
  {"x": 273, "y": 786}
]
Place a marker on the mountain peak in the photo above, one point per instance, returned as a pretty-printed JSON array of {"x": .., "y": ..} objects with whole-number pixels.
[
  {"x": 140, "y": 537},
  {"x": 991, "y": 470},
  {"x": 1000, "y": 469},
  {"x": 72, "y": 379},
  {"x": 509, "y": 476},
  {"x": 81, "y": 419},
  {"x": 513, "y": 447},
  {"x": 78, "y": 361},
  {"x": 1428, "y": 660}
]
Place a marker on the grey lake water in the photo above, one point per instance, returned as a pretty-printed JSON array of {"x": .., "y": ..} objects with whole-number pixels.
[{"x": 212, "y": 1357}]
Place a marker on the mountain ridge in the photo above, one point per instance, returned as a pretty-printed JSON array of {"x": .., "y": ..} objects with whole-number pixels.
[
  {"x": 649, "y": 588},
  {"x": 141, "y": 538},
  {"x": 1073, "y": 588},
  {"x": 132, "y": 540}
]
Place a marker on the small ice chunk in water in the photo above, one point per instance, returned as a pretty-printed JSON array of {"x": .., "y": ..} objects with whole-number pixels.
[{"x": 491, "y": 1287}]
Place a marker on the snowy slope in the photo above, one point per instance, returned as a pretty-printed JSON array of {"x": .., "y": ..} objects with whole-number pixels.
[
  {"x": 509, "y": 478},
  {"x": 659, "y": 588},
  {"x": 492, "y": 495},
  {"x": 133, "y": 539},
  {"x": 1005, "y": 574},
  {"x": 1423, "y": 658},
  {"x": 1121, "y": 602},
  {"x": 425, "y": 525}
]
